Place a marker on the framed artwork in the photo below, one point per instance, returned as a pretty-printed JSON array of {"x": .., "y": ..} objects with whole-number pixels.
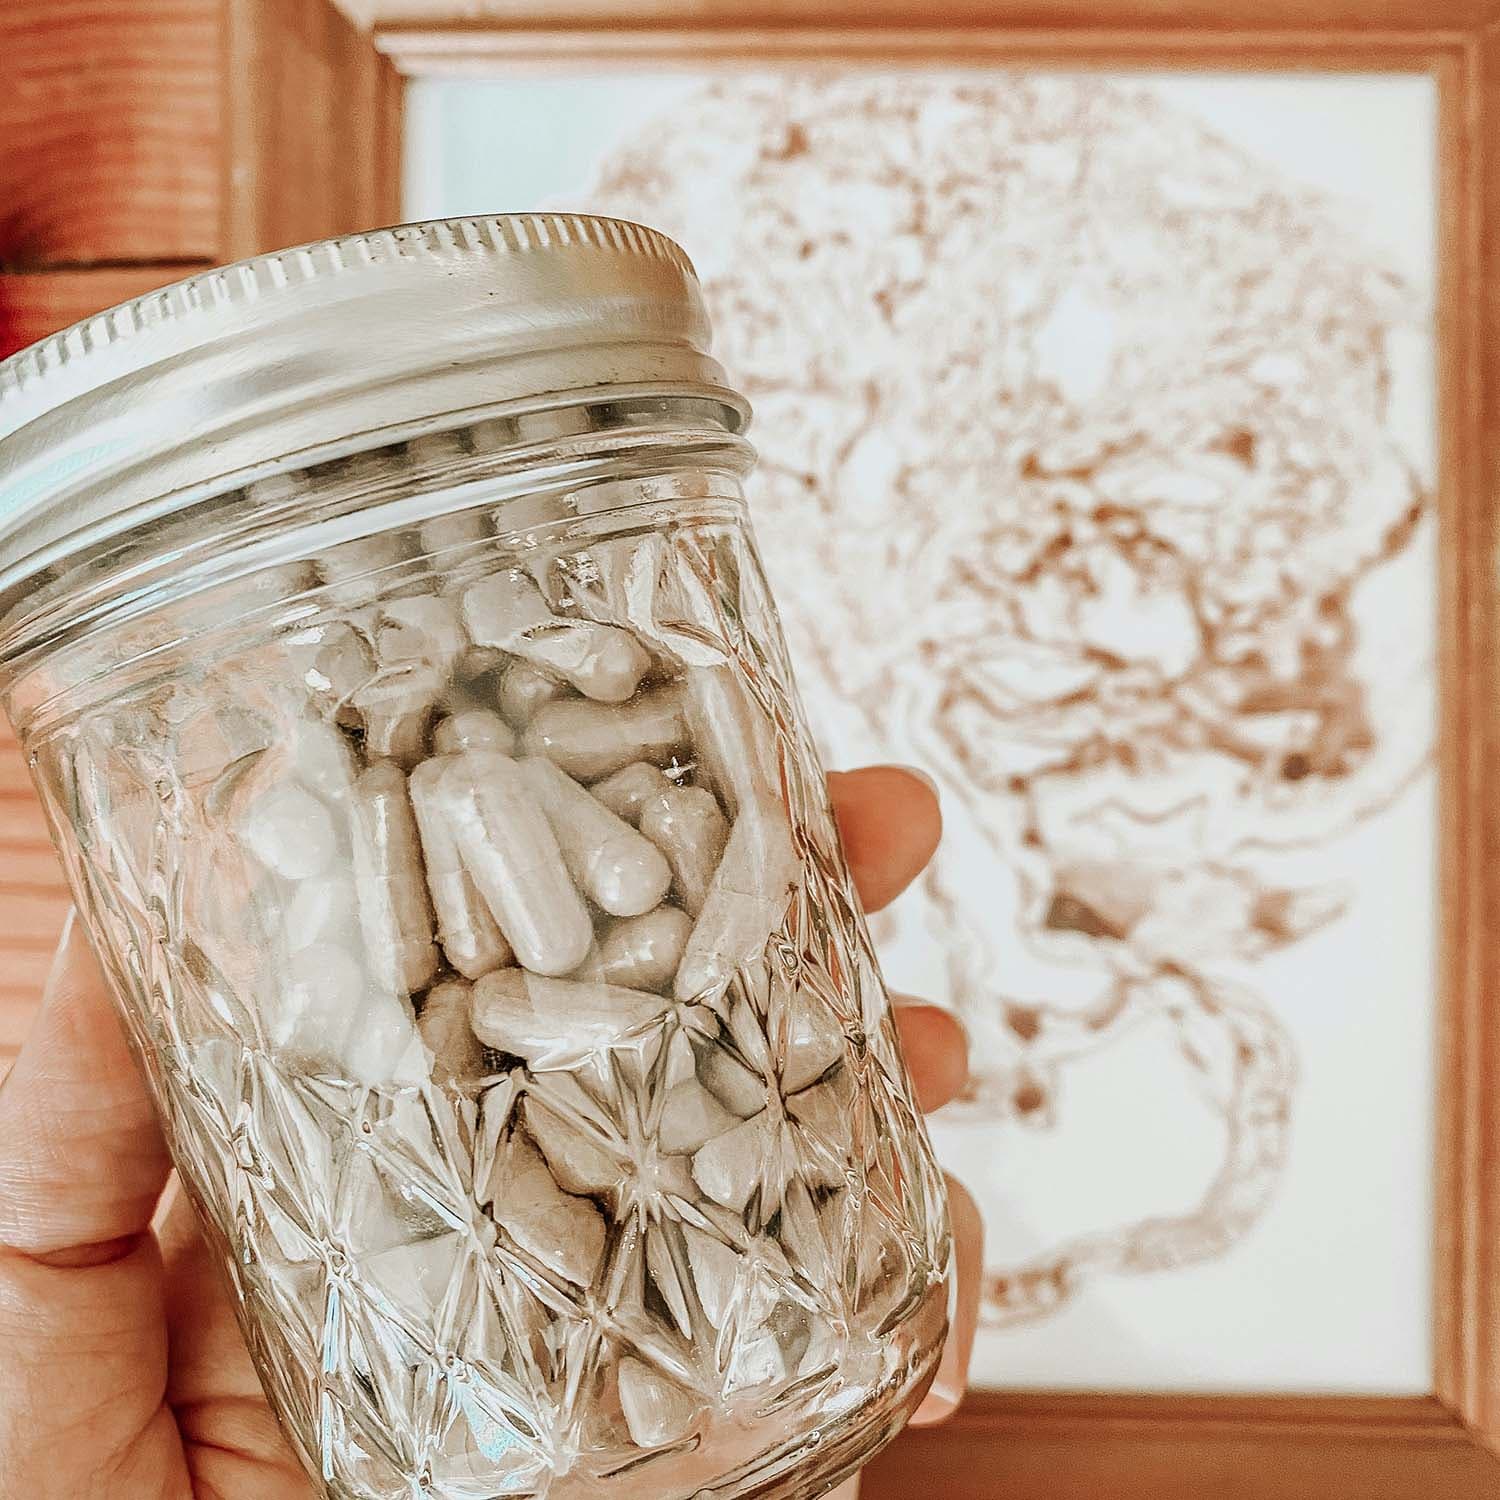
[
  {"x": 1098, "y": 480},
  {"x": 1126, "y": 376},
  {"x": 1110, "y": 392}
]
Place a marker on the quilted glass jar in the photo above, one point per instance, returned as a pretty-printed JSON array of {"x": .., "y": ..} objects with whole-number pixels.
[{"x": 384, "y": 630}]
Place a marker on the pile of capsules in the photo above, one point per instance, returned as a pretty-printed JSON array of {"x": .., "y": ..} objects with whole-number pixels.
[
  {"x": 552, "y": 868},
  {"x": 508, "y": 838}
]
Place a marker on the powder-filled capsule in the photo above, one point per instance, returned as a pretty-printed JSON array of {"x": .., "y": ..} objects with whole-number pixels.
[{"x": 509, "y": 849}]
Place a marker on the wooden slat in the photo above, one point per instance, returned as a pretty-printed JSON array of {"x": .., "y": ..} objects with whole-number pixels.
[
  {"x": 1049, "y": 1447},
  {"x": 1072, "y": 15},
  {"x": 33, "y": 919},
  {"x": 36, "y": 303},
  {"x": 109, "y": 119},
  {"x": 25, "y": 972},
  {"x": 312, "y": 121},
  {"x": 1467, "y": 1294},
  {"x": 488, "y": 52},
  {"x": 22, "y": 826}
]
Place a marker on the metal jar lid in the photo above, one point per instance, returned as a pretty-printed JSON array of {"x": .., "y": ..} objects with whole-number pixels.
[{"x": 329, "y": 348}]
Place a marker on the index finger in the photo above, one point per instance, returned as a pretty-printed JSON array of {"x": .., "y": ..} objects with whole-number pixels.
[{"x": 890, "y": 823}]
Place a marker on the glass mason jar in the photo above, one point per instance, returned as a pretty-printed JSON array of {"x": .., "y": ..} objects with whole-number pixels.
[{"x": 384, "y": 631}]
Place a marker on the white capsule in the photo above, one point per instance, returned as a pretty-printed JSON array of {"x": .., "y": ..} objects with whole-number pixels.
[
  {"x": 396, "y": 708},
  {"x": 275, "y": 489},
  {"x": 213, "y": 739},
  {"x": 680, "y": 1062},
  {"x": 311, "y": 998},
  {"x": 746, "y": 901},
  {"x": 523, "y": 690},
  {"x": 473, "y": 729},
  {"x": 478, "y": 663},
  {"x": 823, "y": 1109},
  {"x": 451, "y": 543},
  {"x": 628, "y": 790},
  {"x": 657, "y": 1410},
  {"x": 734, "y": 1085},
  {"x": 414, "y": 1274},
  {"x": 716, "y": 1271},
  {"x": 563, "y": 1232},
  {"x": 670, "y": 1280},
  {"x": 555, "y": 422},
  {"x": 552, "y": 1022},
  {"x": 814, "y": 1043},
  {"x": 420, "y": 628},
  {"x": 733, "y": 740},
  {"x": 801, "y": 1234},
  {"x": 333, "y": 661},
  {"x": 507, "y": 610},
  {"x": 729, "y": 1167},
  {"x": 322, "y": 758},
  {"x": 509, "y": 848},
  {"x": 690, "y": 1117},
  {"x": 493, "y": 435},
  {"x": 247, "y": 595},
  {"x": 747, "y": 1032},
  {"x": 579, "y": 1163},
  {"x": 435, "y": 451},
  {"x": 754, "y": 1362},
  {"x": 470, "y": 937},
  {"x": 444, "y": 1026},
  {"x": 324, "y": 1009},
  {"x": 643, "y": 952},
  {"x": 447, "y": 533},
  {"x": 394, "y": 913},
  {"x": 320, "y": 909},
  {"x": 288, "y": 830},
  {"x": 348, "y": 570},
  {"x": 623, "y": 872},
  {"x": 590, "y": 740},
  {"x": 383, "y": 1049},
  {"x": 685, "y": 823}
]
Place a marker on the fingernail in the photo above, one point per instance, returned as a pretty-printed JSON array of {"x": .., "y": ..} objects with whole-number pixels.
[{"x": 916, "y": 771}]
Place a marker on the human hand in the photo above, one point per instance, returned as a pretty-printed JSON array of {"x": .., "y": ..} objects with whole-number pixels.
[{"x": 124, "y": 1374}]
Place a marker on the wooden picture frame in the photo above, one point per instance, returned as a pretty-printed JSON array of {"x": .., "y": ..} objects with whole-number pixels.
[
  {"x": 1030, "y": 1446},
  {"x": 287, "y": 90}
]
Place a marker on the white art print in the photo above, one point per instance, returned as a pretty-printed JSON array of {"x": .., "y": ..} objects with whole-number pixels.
[{"x": 1096, "y": 428}]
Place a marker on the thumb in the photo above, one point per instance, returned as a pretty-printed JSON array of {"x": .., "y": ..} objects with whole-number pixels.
[
  {"x": 82, "y": 1162},
  {"x": 82, "y": 1165}
]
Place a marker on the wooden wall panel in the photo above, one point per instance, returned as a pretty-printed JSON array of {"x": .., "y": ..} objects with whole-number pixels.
[
  {"x": 36, "y": 303},
  {"x": 140, "y": 141},
  {"x": 311, "y": 115},
  {"x": 94, "y": 166},
  {"x": 33, "y": 899}
]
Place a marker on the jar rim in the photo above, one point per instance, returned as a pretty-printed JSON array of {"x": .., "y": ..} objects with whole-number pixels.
[{"x": 335, "y": 342}]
